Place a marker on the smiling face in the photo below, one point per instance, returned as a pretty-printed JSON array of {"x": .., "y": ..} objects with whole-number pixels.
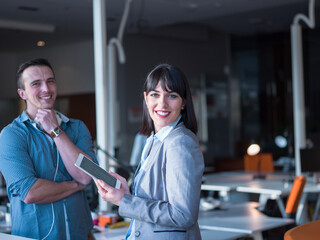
[
  {"x": 39, "y": 89},
  {"x": 164, "y": 106}
]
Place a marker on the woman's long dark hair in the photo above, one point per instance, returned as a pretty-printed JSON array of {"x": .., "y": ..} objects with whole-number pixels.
[{"x": 172, "y": 78}]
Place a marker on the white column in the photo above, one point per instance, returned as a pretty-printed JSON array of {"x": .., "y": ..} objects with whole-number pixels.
[
  {"x": 100, "y": 67},
  {"x": 115, "y": 44},
  {"x": 298, "y": 94},
  {"x": 298, "y": 83},
  {"x": 112, "y": 99}
]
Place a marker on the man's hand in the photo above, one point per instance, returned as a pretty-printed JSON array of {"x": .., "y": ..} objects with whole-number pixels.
[
  {"x": 47, "y": 119},
  {"x": 68, "y": 150}
]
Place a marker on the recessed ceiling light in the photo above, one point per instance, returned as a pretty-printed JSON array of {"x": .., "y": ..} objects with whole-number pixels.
[{"x": 41, "y": 43}]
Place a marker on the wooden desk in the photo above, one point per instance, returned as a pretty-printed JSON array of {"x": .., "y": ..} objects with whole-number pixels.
[{"x": 240, "y": 218}]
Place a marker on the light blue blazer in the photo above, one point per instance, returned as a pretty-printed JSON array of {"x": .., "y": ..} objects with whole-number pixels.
[{"x": 166, "y": 205}]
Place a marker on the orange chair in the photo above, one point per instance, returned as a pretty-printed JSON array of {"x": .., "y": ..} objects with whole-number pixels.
[
  {"x": 295, "y": 196},
  {"x": 266, "y": 162},
  {"x": 307, "y": 231},
  {"x": 293, "y": 200}
]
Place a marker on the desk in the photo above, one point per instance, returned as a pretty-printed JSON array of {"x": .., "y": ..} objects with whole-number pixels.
[
  {"x": 310, "y": 187},
  {"x": 226, "y": 182},
  {"x": 241, "y": 218},
  {"x": 274, "y": 187},
  {"x": 5, "y": 227},
  {"x": 112, "y": 234},
  {"x": 4, "y": 236},
  {"x": 209, "y": 234},
  {"x": 206, "y": 234},
  {"x": 270, "y": 189}
]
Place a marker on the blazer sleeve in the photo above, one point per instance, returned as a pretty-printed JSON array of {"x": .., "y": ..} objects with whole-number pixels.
[{"x": 183, "y": 169}]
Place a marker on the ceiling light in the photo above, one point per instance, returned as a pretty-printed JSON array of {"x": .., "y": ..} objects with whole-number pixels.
[
  {"x": 27, "y": 26},
  {"x": 253, "y": 149},
  {"x": 41, "y": 43}
]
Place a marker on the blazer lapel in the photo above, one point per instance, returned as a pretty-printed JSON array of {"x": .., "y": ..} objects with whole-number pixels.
[{"x": 153, "y": 155}]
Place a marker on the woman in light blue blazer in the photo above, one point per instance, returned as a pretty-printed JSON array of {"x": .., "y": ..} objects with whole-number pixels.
[{"x": 164, "y": 203}]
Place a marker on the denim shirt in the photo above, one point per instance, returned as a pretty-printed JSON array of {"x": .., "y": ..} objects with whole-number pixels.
[{"x": 27, "y": 154}]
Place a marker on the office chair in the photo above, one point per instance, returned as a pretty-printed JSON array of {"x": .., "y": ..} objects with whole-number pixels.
[
  {"x": 295, "y": 196},
  {"x": 266, "y": 162},
  {"x": 291, "y": 207},
  {"x": 307, "y": 231},
  {"x": 272, "y": 208}
]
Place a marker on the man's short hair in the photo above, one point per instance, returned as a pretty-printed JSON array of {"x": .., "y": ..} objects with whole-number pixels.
[{"x": 30, "y": 63}]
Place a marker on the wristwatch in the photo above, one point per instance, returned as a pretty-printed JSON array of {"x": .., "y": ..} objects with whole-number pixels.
[{"x": 56, "y": 132}]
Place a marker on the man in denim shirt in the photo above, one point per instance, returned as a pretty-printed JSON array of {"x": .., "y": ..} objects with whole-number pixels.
[{"x": 37, "y": 155}]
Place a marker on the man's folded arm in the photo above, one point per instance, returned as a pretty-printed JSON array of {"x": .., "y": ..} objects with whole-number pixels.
[{"x": 45, "y": 191}]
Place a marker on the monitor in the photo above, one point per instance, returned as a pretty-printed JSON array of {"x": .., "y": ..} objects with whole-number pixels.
[{"x": 310, "y": 160}]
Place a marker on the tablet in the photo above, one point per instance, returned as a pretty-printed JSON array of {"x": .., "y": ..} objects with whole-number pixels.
[{"x": 96, "y": 172}]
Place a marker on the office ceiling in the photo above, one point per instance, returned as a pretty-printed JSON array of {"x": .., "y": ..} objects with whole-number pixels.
[{"x": 72, "y": 20}]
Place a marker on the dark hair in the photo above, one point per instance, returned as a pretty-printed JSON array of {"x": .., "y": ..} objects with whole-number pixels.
[
  {"x": 173, "y": 78},
  {"x": 30, "y": 63}
]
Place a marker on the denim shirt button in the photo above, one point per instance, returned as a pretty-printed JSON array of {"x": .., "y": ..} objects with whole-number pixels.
[{"x": 137, "y": 233}]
